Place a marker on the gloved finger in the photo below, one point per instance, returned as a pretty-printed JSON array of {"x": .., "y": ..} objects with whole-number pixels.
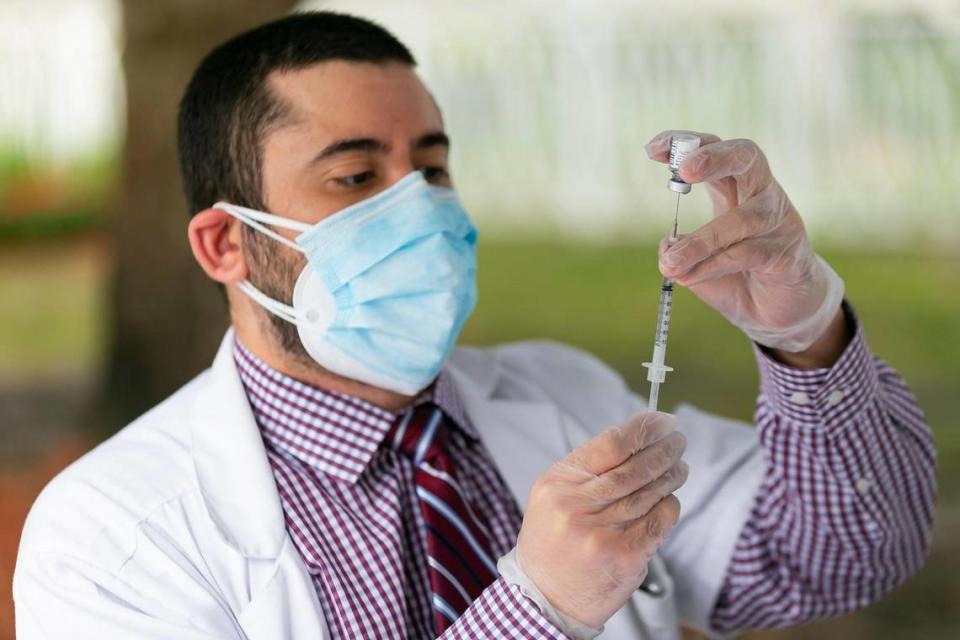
[
  {"x": 723, "y": 231},
  {"x": 723, "y": 192},
  {"x": 641, "y": 469},
  {"x": 748, "y": 255},
  {"x": 666, "y": 243},
  {"x": 659, "y": 146},
  {"x": 638, "y": 504},
  {"x": 739, "y": 159},
  {"x": 617, "y": 444},
  {"x": 645, "y": 534},
  {"x": 723, "y": 195}
]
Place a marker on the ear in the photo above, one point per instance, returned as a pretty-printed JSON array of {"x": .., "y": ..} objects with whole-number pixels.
[{"x": 216, "y": 243}]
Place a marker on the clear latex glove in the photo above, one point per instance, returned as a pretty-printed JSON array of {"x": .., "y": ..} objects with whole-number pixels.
[
  {"x": 594, "y": 519},
  {"x": 513, "y": 573},
  {"x": 753, "y": 262}
]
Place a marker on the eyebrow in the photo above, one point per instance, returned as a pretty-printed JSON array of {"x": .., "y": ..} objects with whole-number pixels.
[
  {"x": 432, "y": 139},
  {"x": 372, "y": 145}
]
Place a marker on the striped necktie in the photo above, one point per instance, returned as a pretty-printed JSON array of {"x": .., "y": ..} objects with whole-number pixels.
[{"x": 458, "y": 545}]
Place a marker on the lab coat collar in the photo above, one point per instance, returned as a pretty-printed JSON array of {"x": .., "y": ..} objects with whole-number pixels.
[
  {"x": 237, "y": 482},
  {"x": 474, "y": 372},
  {"x": 233, "y": 472},
  {"x": 524, "y": 436}
]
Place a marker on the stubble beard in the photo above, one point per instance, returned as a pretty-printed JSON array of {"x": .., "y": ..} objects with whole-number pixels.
[{"x": 273, "y": 269}]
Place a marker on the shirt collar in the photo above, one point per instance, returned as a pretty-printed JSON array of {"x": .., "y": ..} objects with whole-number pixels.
[{"x": 332, "y": 432}]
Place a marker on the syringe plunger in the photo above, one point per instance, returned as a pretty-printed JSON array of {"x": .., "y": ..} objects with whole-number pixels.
[{"x": 657, "y": 369}]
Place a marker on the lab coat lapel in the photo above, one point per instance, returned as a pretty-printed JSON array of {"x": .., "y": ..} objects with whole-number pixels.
[
  {"x": 240, "y": 494},
  {"x": 287, "y": 606},
  {"x": 232, "y": 468},
  {"x": 524, "y": 437}
]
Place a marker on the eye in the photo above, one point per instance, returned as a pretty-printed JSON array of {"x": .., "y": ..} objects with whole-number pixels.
[
  {"x": 434, "y": 173},
  {"x": 354, "y": 180}
]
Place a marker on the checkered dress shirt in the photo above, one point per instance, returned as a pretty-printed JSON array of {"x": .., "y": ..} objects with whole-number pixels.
[{"x": 842, "y": 516}]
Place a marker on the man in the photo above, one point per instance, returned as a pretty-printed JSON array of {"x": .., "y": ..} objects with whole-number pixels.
[{"x": 338, "y": 473}]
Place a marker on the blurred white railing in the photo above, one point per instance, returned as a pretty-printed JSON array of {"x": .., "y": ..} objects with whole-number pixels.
[
  {"x": 856, "y": 104},
  {"x": 549, "y": 103},
  {"x": 61, "y": 98}
]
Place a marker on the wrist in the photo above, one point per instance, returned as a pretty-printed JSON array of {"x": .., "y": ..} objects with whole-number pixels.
[
  {"x": 825, "y": 350},
  {"x": 512, "y": 572}
]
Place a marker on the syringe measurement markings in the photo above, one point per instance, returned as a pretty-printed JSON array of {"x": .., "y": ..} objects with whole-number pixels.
[{"x": 663, "y": 313}]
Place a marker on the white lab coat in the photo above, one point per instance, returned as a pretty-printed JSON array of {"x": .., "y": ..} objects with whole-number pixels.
[{"x": 173, "y": 527}]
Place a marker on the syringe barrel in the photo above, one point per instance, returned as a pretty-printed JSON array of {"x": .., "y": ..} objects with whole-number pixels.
[
  {"x": 656, "y": 368},
  {"x": 663, "y": 313},
  {"x": 681, "y": 146}
]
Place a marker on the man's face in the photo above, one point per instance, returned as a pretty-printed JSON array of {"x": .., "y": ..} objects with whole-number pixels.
[{"x": 353, "y": 130}]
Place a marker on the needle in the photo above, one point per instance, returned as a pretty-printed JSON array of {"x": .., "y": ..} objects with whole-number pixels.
[{"x": 673, "y": 234}]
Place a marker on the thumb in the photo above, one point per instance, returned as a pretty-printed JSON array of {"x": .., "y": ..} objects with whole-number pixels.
[{"x": 612, "y": 447}]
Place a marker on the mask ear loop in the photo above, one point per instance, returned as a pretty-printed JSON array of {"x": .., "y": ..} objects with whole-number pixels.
[
  {"x": 282, "y": 311},
  {"x": 253, "y": 219}
]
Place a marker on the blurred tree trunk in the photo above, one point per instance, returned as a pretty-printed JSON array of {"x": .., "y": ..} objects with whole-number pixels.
[{"x": 167, "y": 318}]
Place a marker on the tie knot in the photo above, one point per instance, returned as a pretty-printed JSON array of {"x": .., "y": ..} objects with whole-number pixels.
[{"x": 420, "y": 433}]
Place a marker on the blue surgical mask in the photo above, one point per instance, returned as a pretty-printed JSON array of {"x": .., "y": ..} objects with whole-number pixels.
[{"x": 387, "y": 286}]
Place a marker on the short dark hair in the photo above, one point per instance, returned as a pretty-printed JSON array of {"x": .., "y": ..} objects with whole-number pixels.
[{"x": 228, "y": 106}]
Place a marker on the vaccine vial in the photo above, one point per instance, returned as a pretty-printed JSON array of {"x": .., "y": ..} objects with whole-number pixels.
[{"x": 681, "y": 146}]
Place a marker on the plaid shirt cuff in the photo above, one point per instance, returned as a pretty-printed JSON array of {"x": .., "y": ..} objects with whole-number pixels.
[
  {"x": 502, "y": 611},
  {"x": 827, "y": 397}
]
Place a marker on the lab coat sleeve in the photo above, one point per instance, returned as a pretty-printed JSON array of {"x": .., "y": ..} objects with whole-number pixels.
[
  {"x": 90, "y": 567},
  {"x": 59, "y": 596}
]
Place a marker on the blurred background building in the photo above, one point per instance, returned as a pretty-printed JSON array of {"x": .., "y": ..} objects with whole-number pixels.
[{"x": 549, "y": 103}]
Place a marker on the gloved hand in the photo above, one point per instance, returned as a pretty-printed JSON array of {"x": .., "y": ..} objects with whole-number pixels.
[
  {"x": 753, "y": 262},
  {"x": 594, "y": 519}
]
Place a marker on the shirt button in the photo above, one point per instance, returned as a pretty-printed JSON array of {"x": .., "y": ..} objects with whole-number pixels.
[
  {"x": 863, "y": 485},
  {"x": 800, "y": 398},
  {"x": 834, "y": 398}
]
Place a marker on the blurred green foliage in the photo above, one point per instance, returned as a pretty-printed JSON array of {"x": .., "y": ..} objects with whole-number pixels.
[
  {"x": 46, "y": 224},
  {"x": 39, "y": 200}
]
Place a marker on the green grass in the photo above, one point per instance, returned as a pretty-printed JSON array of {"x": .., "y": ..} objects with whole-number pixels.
[
  {"x": 51, "y": 308},
  {"x": 604, "y": 298},
  {"x": 600, "y": 298}
]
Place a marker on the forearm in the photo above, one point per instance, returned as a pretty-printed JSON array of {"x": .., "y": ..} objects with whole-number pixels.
[{"x": 844, "y": 512}]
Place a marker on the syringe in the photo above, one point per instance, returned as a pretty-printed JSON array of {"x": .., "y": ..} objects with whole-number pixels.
[{"x": 681, "y": 146}]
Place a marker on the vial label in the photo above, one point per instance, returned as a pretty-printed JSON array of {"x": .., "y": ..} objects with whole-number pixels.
[{"x": 681, "y": 146}]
